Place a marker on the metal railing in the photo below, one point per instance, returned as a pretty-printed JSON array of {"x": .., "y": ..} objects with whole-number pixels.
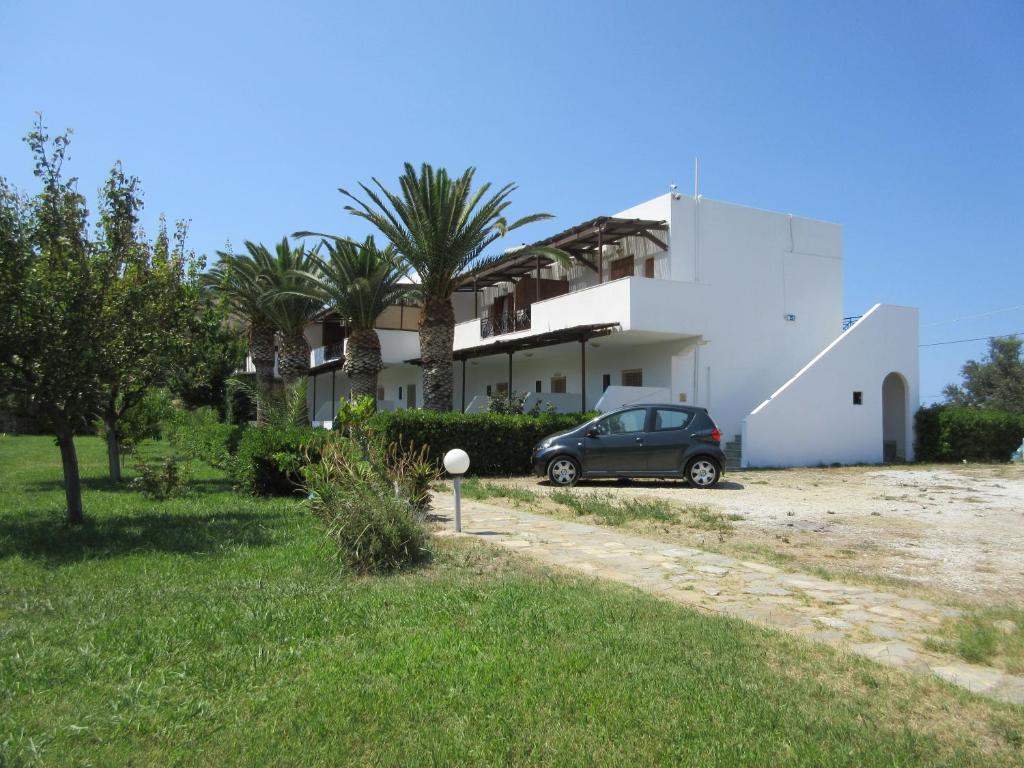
[
  {"x": 509, "y": 322},
  {"x": 848, "y": 321},
  {"x": 334, "y": 351}
]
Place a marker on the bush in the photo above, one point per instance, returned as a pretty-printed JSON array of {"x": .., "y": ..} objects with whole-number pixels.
[
  {"x": 160, "y": 480},
  {"x": 953, "y": 433},
  {"x": 497, "y": 444},
  {"x": 371, "y": 520},
  {"x": 200, "y": 434},
  {"x": 270, "y": 460}
]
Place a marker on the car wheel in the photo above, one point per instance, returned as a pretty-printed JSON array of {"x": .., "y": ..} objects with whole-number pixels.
[
  {"x": 564, "y": 470},
  {"x": 703, "y": 472}
]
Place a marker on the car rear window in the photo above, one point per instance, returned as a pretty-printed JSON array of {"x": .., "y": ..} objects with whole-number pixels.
[{"x": 671, "y": 419}]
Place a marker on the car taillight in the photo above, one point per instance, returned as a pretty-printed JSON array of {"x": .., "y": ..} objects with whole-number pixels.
[{"x": 716, "y": 435}]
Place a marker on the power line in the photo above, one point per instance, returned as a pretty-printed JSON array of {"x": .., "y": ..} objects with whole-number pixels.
[
  {"x": 964, "y": 341},
  {"x": 972, "y": 317}
]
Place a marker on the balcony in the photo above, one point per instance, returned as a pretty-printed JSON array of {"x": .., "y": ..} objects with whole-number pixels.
[
  {"x": 326, "y": 354},
  {"x": 661, "y": 307},
  {"x": 509, "y": 322}
]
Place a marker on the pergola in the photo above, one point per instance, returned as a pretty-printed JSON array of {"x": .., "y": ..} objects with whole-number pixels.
[
  {"x": 583, "y": 242},
  {"x": 577, "y": 333}
]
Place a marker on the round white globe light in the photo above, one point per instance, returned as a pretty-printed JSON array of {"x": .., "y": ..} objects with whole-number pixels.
[{"x": 456, "y": 461}]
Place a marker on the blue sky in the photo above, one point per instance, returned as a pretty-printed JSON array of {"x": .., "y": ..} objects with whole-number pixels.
[{"x": 904, "y": 122}]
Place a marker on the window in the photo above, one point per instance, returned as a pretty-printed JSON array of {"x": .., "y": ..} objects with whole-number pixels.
[
  {"x": 666, "y": 419},
  {"x": 858, "y": 398},
  {"x": 649, "y": 267},
  {"x": 399, "y": 393},
  {"x": 488, "y": 390},
  {"x": 606, "y": 381},
  {"x": 502, "y": 387},
  {"x": 634, "y": 378},
  {"x": 622, "y": 268},
  {"x": 622, "y": 423},
  {"x": 536, "y": 385},
  {"x": 558, "y": 384},
  {"x": 411, "y": 392},
  {"x": 380, "y": 393}
]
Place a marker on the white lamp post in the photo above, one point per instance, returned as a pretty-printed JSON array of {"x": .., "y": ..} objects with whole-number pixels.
[{"x": 456, "y": 461}]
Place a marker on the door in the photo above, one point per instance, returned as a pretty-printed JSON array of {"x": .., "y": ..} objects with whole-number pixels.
[
  {"x": 617, "y": 447},
  {"x": 410, "y": 396},
  {"x": 667, "y": 439}
]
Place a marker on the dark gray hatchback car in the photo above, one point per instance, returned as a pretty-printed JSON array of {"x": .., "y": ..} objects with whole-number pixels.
[{"x": 675, "y": 441}]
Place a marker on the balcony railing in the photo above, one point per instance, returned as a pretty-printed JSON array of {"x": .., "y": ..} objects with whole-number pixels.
[
  {"x": 334, "y": 351},
  {"x": 509, "y": 322}
]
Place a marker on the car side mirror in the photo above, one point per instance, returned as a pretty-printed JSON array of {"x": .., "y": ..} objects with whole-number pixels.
[{"x": 592, "y": 432}]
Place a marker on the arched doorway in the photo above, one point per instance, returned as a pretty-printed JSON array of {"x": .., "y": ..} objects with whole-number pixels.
[{"x": 894, "y": 418}]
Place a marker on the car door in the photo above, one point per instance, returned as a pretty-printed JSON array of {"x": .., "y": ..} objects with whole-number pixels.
[
  {"x": 615, "y": 445},
  {"x": 667, "y": 439}
]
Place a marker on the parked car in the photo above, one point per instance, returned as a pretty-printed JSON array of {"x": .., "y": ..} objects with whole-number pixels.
[{"x": 675, "y": 441}]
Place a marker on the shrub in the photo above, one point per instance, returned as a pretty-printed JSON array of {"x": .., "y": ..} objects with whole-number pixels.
[
  {"x": 200, "y": 434},
  {"x": 160, "y": 480},
  {"x": 270, "y": 460},
  {"x": 954, "y": 433},
  {"x": 409, "y": 470},
  {"x": 373, "y": 523},
  {"x": 497, "y": 444}
]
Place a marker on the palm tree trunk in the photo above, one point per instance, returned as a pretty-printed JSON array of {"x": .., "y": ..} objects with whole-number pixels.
[
  {"x": 261, "y": 347},
  {"x": 363, "y": 362},
  {"x": 437, "y": 338},
  {"x": 293, "y": 361}
]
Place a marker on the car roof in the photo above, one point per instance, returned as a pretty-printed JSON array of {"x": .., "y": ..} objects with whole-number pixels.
[{"x": 673, "y": 406}]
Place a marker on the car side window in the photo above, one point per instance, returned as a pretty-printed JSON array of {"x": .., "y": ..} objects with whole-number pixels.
[
  {"x": 671, "y": 419},
  {"x": 622, "y": 423}
]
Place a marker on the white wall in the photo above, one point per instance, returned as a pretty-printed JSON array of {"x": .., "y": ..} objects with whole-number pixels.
[{"x": 812, "y": 418}]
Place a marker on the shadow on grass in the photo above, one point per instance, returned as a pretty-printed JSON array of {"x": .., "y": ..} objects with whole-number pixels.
[
  {"x": 48, "y": 539},
  {"x": 201, "y": 486}
]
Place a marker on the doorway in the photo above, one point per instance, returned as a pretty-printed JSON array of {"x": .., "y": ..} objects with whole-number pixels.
[{"x": 894, "y": 418}]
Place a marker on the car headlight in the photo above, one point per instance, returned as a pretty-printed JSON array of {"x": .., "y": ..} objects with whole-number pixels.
[{"x": 546, "y": 443}]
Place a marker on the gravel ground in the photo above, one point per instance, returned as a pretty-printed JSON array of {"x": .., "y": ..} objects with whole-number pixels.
[{"x": 952, "y": 531}]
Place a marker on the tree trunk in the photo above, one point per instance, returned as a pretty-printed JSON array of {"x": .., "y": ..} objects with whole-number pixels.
[
  {"x": 72, "y": 481},
  {"x": 363, "y": 362},
  {"x": 113, "y": 446},
  {"x": 293, "y": 360},
  {"x": 261, "y": 348},
  {"x": 437, "y": 338}
]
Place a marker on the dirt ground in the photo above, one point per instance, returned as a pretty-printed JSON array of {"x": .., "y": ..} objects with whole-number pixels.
[{"x": 955, "y": 532}]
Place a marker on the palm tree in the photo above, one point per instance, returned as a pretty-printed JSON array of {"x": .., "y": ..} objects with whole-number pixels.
[
  {"x": 242, "y": 281},
  {"x": 271, "y": 293},
  {"x": 359, "y": 282},
  {"x": 293, "y": 302},
  {"x": 440, "y": 226}
]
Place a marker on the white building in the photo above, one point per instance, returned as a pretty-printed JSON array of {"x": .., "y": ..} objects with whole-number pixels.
[{"x": 679, "y": 299}]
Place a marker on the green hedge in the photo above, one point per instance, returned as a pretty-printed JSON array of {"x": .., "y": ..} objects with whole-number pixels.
[
  {"x": 497, "y": 444},
  {"x": 949, "y": 433},
  {"x": 269, "y": 460}
]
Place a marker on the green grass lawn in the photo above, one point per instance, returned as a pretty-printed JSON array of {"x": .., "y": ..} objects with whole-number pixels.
[{"x": 216, "y": 630}]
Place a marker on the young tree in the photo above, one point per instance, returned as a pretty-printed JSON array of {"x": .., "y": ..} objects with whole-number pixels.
[
  {"x": 50, "y": 307},
  {"x": 996, "y": 381},
  {"x": 149, "y": 304}
]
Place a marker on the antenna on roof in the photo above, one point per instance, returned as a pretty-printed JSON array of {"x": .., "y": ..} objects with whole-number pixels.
[
  {"x": 696, "y": 177},
  {"x": 674, "y": 191}
]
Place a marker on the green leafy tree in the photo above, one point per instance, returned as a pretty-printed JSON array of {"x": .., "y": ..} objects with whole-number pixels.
[
  {"x": 995, "y": 382},
  {"x": 149, "y": 306},
  {"x": 51, "y": 304},
  {"x": 359, "y": 281},
  {"x": 215, "y": 351},
  {"x": 440, "y": 226}
]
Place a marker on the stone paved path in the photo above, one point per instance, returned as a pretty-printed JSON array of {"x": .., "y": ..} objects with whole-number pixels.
[{"x": 885, "y": 627}]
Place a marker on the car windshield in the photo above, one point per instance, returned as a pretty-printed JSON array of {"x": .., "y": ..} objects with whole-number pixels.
[{"x": 622, "y": 422}]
